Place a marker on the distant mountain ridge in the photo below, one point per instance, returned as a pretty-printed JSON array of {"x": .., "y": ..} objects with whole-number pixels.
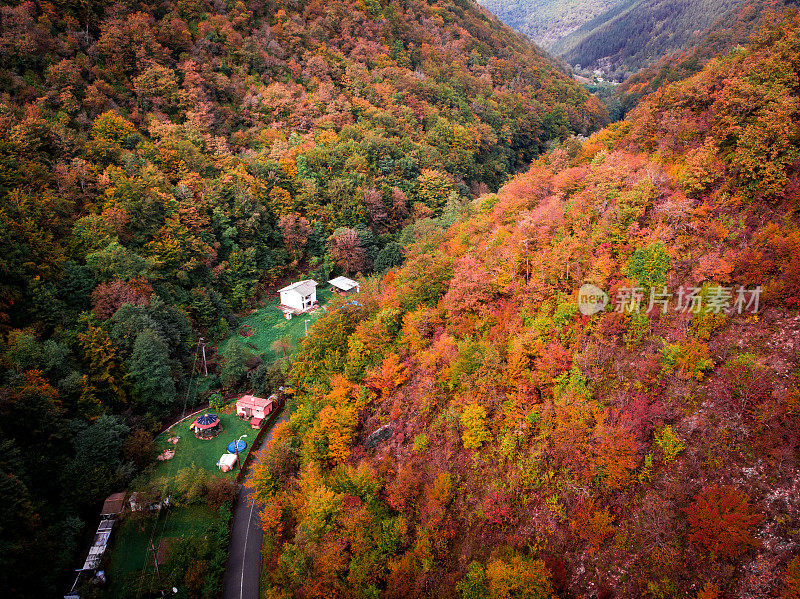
[
  {"x": 619, "y": 37},
  {"x": 547, "y": 21},
  {"x": 636, "y": 33}
]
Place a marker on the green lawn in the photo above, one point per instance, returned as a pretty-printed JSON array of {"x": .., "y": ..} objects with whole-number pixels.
[
  {"x": 128, "y": 552},
  {"x": 269, "y": 325},
  {"x": 203, "y": 453},
  {"x": 130, "y": 549}
]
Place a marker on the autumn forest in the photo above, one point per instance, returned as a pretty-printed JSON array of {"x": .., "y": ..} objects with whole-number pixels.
[{"x": 166, "y": 166}]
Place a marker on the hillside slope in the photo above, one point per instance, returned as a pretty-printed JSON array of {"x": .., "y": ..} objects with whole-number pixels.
[
  {"x": 162, "y": 164},
  {"x": 547, "y": 21},
  {"x": 729, "y": 31},
  {"x": 633, "y": 34},
  {"x": 534, "y": 447}
]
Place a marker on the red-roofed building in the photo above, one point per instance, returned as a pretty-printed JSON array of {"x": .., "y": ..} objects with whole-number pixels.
[{"x": 250, "y": 406}]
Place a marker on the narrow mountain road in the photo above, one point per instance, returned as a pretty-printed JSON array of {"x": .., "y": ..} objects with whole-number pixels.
[{"x": 243, "y": 572}]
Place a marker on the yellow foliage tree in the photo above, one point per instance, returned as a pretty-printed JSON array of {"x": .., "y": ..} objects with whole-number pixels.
[
  {"x": 792, "y": 580},
  {"x": 475, "y": 433}
]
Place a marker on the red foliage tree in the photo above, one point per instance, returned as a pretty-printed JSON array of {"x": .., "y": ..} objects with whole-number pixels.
[
  {"x": 496, "y": 507},
  {"x": 721, "y": 520},
  {"x": 403, "y": 489},
  {"x": 108, "y": 297},
  {"x": 470, "y": 288},
  {"x": 296, "y": 230},
  {"x": 554, "y": 360},
  {"x": 347, "y": 251}
]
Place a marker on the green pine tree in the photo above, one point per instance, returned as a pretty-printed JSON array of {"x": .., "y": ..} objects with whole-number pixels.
[{"x": 149, "y": 372}]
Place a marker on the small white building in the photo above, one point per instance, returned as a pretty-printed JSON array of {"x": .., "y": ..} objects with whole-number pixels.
[
  {"x": 344, "y": 285},
  {"x": 227, "y": 462},
  {"x": 298, "y": 297}
]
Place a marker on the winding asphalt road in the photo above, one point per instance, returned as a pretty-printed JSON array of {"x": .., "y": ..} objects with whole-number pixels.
[{"x": 243, "y": 573}]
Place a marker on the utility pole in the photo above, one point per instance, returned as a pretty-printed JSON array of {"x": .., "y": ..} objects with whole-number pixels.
[
  {"x": 236, "y": 444},
  {"x": 155, "y": 560},
  {"x": 203, "y": 348}
]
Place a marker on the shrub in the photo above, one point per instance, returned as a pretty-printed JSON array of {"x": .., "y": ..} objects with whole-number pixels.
[
  {"x": 702, "y": 168},
  {"x": 690, "y": 358},
  {"x": 519, "y": 576},
  {"x": 704, "y": 324},
  {"x": 564, "y": 314},
  {"x": 488, "y": 203},
  {"x": 709, "y": 591},
  {"x": 421, "y": 442},
  {"x": 744, "y": 381},
  {"x": 792, "y": 580},
  {"x": 473, "y": 585},
  {"x": 219, "y": 491},
  {"x": 648, "y": 266},
  {"x": 592, "y": 525},
  {"x": 638, "y": 328},
  {"x": 721, "y": 521},
  {"x": 496, "y": 507},
  {"x": 391, "y": 255},
  {"x": 216, "y": 402},
  {"x": 669, "y": 443}
]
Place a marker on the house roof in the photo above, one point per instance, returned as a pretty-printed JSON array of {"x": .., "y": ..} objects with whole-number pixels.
[
  {"x": 114, "y": 504},
  {"x": 301, "y": 287},
  {"x": 343, "y": 283},
  {"x": 251, "y": 401}
]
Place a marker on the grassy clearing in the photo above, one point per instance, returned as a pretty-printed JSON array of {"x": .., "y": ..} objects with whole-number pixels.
[
  {"x": 203, "y": 453},
  {"x": 269, "y": 324},
  {"x": 130, "y": 553}
]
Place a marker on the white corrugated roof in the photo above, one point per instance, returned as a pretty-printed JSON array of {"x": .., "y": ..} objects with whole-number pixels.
[
  {"x": 343, "y": 283},
  {"x": 301, "y": 287}
]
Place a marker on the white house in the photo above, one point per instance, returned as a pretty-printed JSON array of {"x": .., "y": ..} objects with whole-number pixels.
[
  {"x": 344, "y": 285},
  {"x": 298, "y": 297}
]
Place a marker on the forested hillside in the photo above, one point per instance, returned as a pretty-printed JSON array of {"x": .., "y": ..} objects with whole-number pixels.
[
  {"x": 546, "y": 21},
  {"x": 615, "y": 36},
  {"x": 634, "y": 34},
  {"x": 162, "y": 164},
  {"x": 731, "y": 30},
  {"x": 533, "y": 448}
]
